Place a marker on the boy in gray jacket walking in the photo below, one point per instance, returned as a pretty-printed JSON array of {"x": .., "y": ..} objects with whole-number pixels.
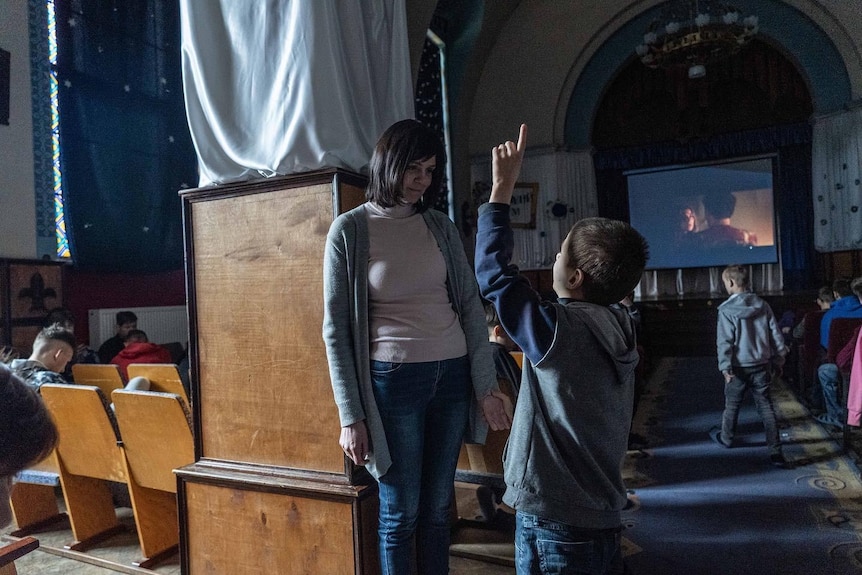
[{"x": 749, "y": 344}]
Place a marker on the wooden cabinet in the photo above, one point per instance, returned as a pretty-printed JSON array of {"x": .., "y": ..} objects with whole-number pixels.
[{"x": 270, "y": 491}]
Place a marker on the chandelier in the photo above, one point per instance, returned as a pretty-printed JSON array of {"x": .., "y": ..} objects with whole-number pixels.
[{"x": 693, "y": 34}]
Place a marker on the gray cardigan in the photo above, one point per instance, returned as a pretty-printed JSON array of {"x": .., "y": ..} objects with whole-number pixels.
[{"x": 345, "y": 325}]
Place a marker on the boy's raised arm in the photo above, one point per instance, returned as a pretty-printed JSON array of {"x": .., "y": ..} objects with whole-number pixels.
[
  {"x": 506, "y": 165},
  {"x": 528, "y": 322}
]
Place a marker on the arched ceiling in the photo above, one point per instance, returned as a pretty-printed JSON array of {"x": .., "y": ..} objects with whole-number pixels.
[{"x": 552, "y": 60}]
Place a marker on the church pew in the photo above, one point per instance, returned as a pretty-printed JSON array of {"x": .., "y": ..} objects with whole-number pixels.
[
  {"x": 164, "y": 377},
  {"x": 33, "y": 499},
  {"x": 89, "y": 456},
  {"x": 157, "y": 438}
]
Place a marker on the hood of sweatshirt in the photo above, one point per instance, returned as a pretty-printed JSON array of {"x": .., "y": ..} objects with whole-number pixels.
[
  {"x": 743, "y": 305},
  {"x": 615, "y": 332},
  {"x": 139, "y": 350}
]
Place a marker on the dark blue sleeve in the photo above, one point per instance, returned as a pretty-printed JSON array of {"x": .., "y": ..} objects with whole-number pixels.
[{"x": 528, "y": 321}]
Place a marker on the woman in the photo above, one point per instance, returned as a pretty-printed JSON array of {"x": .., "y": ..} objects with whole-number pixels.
[{"x": 406, "y": 341}]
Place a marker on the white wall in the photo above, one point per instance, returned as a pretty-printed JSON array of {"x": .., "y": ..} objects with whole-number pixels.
[{"x": 17, "y": 193}]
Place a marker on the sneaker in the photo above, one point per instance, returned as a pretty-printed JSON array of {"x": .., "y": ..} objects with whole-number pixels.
[{"x": 715, "y": 435}]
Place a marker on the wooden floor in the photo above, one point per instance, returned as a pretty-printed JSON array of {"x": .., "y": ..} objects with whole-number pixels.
[{"x": 117, "y": 554}]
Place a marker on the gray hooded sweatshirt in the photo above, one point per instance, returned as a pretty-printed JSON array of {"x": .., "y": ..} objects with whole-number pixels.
[
  {"x": 565, "y": 452},
  {"x": 748, "y": 334}
]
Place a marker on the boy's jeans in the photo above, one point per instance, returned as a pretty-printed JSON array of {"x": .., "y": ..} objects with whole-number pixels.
[
  {"x": 545, "y": 547},
  {"x": 424, "y": 408},
  {"x": 756, "y": 378}
]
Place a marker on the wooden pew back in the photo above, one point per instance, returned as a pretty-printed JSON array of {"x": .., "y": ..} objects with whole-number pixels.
[
  {"x": 106, "y": 377},
  {"x": 840, "y": 331},
  {"x": 164, "y": 377},
  {"x": 157, "y": 436},
  {"x": 89, "y": 456},
  {"x": 89, "y": 435}
]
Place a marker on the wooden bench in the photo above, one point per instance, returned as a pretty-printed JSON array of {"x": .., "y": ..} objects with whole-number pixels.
[
  {"x": 157, "y": 438},
  {"x": 106, "y": 377},
  {"x": 33, "y": 498},
  {"x": 12, "y": 551},
  {"x": 164, "y": 377},
  {"x": 89, "y": 456}
]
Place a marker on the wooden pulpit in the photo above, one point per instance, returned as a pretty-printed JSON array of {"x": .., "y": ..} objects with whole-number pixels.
[{"x": 270, "y": 490}]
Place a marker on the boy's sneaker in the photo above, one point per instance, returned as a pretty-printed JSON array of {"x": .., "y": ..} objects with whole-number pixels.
[{"x": 715, "y": 435}]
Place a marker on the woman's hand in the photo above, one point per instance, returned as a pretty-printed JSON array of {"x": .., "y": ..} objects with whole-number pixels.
[
  {"x": 506, "y": 166},
  {"x": 497, "y": 409},
  {"x": 354, "y": 442}
]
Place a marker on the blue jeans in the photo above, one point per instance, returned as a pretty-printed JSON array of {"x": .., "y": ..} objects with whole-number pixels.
[
  {"x": 424, "y": 407},
  {"x": 757, "y": 379},
  {"x": 831, "y": 382},
  {"x": 545, "y": 547}
]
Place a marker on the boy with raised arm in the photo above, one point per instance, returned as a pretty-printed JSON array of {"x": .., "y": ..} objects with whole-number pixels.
[{"x": 562, "y": 465}]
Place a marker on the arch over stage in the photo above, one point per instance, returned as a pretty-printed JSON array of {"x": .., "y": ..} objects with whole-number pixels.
[{"x": 804, "y": 42}]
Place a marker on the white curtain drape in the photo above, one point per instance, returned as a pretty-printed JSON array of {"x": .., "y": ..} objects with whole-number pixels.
[
  {"x": 564, "y": 177},
  {"x": 836, "y": 171},
  {"x": 284, "y": 86}
]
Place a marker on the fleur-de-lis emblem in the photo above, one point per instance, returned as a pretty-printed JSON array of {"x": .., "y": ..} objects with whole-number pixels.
[{"x": 37, "y": 292}]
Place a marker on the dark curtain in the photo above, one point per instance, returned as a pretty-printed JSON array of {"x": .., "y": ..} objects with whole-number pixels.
[
  {"x": 125, "y": 144},
  {"x": 795, "y": 218},
  {"x": 792, "y": 144}
]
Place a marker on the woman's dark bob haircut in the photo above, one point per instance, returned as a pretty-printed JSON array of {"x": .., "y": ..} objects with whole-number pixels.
[{"x": 401, "y": 144}]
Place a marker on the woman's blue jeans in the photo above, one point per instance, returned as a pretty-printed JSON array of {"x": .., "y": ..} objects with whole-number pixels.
[
  {"x": 424, "y": 407},
  {"x": 545, "y": 547}
]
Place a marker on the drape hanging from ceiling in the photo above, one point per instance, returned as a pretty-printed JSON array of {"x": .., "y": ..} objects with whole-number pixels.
[
  {"x": 279, "y": 87},
  {"x": 837, "y": 181},
  {"x": 125, "y": 147}
]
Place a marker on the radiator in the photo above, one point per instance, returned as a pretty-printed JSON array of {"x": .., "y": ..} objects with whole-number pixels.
[{"x": 162, "y": 325}]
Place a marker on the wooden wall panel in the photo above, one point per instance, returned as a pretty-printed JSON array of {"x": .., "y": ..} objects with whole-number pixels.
[
  {"x": 28, "y": 290},
  {"x": 241, "y": 531},
  {"x": 264, "y": 384},
  {"x": 35, "y": 289}
]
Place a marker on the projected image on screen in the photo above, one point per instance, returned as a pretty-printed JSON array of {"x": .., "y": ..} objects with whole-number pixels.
[{"x": 704, "y": 216}]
